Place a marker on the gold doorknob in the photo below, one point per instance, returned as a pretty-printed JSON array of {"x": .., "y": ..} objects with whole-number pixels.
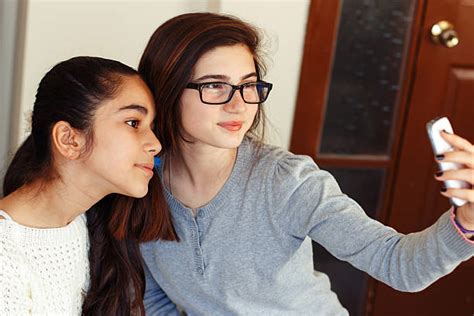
[{"x": 443, "y": 33}]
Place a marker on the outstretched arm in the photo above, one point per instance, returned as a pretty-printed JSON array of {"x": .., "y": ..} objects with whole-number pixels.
[{"x": 308, "y": 202}]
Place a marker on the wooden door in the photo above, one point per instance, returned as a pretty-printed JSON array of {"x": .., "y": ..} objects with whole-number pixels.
[
  {"x": 443, "y": 86},
  {"x": 391, "y": 156},
  {"x": 357, "y": 64}
]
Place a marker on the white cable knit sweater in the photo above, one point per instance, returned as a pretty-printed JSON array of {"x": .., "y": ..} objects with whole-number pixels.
[{"x": 43, "y": 271}]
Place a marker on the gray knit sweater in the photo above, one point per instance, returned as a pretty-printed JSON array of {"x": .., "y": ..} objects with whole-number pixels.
[{"x": 247, "y": 252}]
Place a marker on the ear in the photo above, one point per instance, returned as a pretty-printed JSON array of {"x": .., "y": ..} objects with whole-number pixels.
[{"x": 68, "y": 141}]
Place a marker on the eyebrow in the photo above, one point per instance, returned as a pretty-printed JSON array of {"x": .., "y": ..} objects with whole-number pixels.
[
  {"x": 224, "y": 77},
  {"x": 134, "y": 107}
]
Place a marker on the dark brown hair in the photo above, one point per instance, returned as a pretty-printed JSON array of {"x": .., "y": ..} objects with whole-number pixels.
[
  {"x": 72, "y": 91},
  {"x": 170, "y": 56}
]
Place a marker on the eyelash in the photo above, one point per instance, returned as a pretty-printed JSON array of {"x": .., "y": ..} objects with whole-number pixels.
[{"x": 137, "y": 122}]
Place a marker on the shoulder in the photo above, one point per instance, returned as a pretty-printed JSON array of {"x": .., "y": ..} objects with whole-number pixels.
[
  {"x": 82, "y": 220},
  {"x": 11, "y": 257},
  {"x": 9, "y": 237},
  {"x": 277, "y": 160},
  {"x": 283, "y": 171},
  {"x": 78, "y": 225},
  {"x": 14, "y": 275},
  {"x": 5, "y": 230},
  {"x": 79, "y": 230}
]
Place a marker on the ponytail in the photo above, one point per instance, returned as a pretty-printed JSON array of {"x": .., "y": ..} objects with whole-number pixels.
[{"x": 25, "y": 167}]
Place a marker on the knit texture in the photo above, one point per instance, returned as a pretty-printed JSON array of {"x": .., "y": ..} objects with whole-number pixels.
[
  {"x": 43, "y": 271},
  {"x": 248, "y": 251}
]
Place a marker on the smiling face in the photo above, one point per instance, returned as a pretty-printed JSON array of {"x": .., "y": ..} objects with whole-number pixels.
[
  {"x": 221, "y": 126},
  {"x": 121, "y": 159}
]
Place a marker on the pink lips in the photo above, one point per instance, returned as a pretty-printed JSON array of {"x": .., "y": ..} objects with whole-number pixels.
[
  {"x": 148, "y": 168},
  {"x": 232, "y": 126}
]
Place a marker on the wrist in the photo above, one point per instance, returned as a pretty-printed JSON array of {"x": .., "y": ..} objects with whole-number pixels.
[
  {"x": 465, "y": 230},
  {"x": 462, "y": 228}
]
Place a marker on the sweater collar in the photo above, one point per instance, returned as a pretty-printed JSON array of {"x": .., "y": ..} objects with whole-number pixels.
[{"x": 218, "y": 202}]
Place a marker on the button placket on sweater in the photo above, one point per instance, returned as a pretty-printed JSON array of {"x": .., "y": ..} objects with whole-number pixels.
[{"x": 196, "y": 233}]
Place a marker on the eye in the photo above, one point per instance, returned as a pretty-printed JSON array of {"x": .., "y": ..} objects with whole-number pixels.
[
  {"x": 215, "y": 86},
  {"x": 251, "y": 84},
  {"x": 133, "y": 123}
]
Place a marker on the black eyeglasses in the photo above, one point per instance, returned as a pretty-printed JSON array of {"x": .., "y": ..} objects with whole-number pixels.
[{"x": 222, "y": 92}]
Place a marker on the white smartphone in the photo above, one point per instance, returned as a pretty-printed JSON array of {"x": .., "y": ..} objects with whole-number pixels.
[{"x": 440, "y": 146}]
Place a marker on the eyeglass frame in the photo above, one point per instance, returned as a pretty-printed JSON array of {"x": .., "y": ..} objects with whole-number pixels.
[{"x": 198, "y": 87}]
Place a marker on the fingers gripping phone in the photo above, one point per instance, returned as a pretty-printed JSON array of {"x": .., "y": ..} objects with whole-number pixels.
[{"x": 440, "y": 146}]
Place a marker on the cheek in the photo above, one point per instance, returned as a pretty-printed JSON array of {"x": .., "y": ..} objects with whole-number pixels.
[
  {"x": 110, "y": 148},
  {"x": 103, "y": 157},
  {"x": 195, "y": 115},
  {"x": 197, "y": 123},
  {"x": 252, "y": 112}
]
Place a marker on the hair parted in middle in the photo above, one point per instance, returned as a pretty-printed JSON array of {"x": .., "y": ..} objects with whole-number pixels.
[{"x": 170, "y": 56}]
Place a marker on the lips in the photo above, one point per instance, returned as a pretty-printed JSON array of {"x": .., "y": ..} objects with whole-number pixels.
[
  {"x": 232, "y": 126},
  {"x": 146, "y": 167}
]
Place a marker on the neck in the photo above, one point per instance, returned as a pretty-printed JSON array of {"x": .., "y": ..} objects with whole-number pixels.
[
  {"x": 203, "y": 164},
  {"x": 199, "y": 173},
  {"x": 53, "y": 205}
]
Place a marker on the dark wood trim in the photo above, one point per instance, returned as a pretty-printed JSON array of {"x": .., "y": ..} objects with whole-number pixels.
[
  {"x": 408, "y": 76},
  {"x": 315, "y": 77},
  {"x": 363, "y": 162}
]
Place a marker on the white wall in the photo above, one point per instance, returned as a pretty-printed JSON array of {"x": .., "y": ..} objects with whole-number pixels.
[
  {"x": 57, "y": 30},
  {"x": 8, "y": 14},
  {"x": 284, "y": 25}
]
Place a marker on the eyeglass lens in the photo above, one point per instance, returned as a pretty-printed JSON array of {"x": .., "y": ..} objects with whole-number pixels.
[{"x": 255, "y": 92}]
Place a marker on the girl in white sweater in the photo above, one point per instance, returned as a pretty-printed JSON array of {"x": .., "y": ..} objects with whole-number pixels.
[{"x": 91, "y": 140}]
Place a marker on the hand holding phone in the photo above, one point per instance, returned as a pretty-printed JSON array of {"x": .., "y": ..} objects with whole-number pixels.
[{"x": 440, "y": 146}]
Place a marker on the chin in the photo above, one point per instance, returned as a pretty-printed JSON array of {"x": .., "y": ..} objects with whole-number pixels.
[
  {"x": 231, "y": 142},
  {"x": 141, "y": 194},
  {"x": 137, "y": 191}
]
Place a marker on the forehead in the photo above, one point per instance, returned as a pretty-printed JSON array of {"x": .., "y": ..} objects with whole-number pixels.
[
  {"x": 232, "y": 60},
  {"x": 132, "y": 91}
]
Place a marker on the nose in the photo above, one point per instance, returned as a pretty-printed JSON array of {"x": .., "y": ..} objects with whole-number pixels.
[
  {"x": 153, "y": 145},
  {"x": 236, "y": 104}
]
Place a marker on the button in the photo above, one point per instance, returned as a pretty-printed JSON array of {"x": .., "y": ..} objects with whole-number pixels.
[
  {"x": 193, "y": 234},
  {"x": 198, "y": 253},
  {"x": 200, "y": 271},
  {"x": 201, "y": 214}
]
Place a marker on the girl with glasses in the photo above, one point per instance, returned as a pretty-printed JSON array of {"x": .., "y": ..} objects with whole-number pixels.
[
  {"x": 91, "y": 147},
  {"x": 243, "y": 210}
]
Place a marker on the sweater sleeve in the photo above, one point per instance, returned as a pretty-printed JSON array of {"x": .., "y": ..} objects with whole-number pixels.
[
  {"x": 14, "y": 294},
  {"x": 312, "y": 204},
  {"x": 156, "y": 301}
]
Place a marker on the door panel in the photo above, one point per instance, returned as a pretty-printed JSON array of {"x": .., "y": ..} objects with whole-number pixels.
[
  {"x": 350, "y": 98},
  {"x": 444, "y": 86},
  {"x": 432, "y": 81}
]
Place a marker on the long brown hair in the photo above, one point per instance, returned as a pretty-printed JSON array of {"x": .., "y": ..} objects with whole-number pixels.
[
  {"x": 72, "y": 91},
  {"x": 116, "y": 226},
  {"x": 170, "y": 56}
]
